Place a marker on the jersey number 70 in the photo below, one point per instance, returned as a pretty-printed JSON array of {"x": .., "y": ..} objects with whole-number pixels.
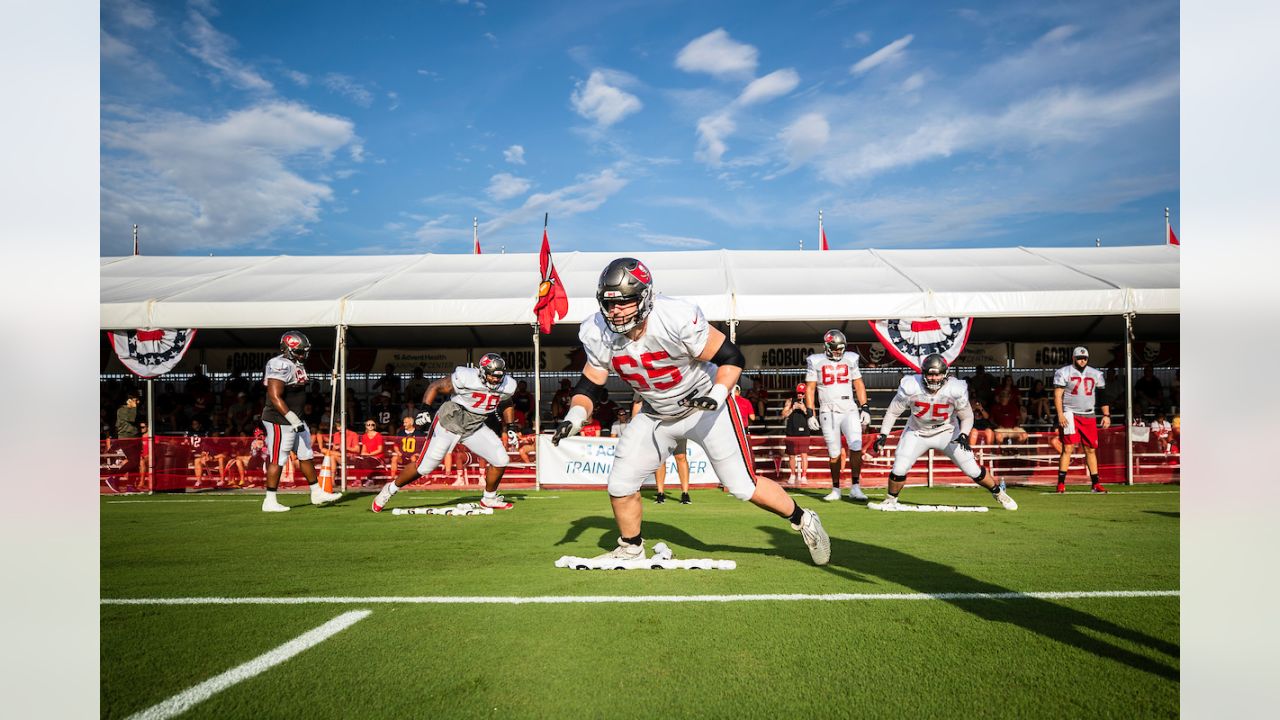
[{"x": 662, "y": 377}]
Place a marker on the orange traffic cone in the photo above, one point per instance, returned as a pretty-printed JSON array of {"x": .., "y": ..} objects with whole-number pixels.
[{"x": 326, "y": 474}]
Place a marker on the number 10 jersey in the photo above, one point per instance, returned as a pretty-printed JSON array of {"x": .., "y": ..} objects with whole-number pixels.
[{"x": 663, "y": 365}]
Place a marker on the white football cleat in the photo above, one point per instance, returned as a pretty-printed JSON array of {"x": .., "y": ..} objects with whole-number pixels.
[
  {"x": 624, "y": 551},
  {"x": 320, "y": 497},
  {"x": 890, "y": 501},
  {"x": 383, "y": 497},
  {"x": 815, "y": 538},
  {"x": 833, "y": 495},
  {"x": 497, "y": 502},
  {"x": 269, "y": 505},
  {"x": 855, "y": 493},
  {"x": 1005, "y": 501}
]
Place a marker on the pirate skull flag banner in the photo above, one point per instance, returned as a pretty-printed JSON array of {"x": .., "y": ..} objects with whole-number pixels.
[
  {"x": 151, "y": 353},
  {"x": 912, "y": 339}
]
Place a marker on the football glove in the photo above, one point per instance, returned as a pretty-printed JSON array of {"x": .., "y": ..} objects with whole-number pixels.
[
  {"x": 878, "y": 445},
  {"x": 864, "y": 416},
  {"x": 706, "y": 402},
  {"x": 814, "y": 424},
  {"x": 563, "y": 430},
  {"x": 422, "y": 419},
  {"x": 295, "y": 423},
  {"x": 963, "y": 441}
]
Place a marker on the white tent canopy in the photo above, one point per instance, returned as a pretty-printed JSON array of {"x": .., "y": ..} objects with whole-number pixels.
[{"x": 743, "y": 285}]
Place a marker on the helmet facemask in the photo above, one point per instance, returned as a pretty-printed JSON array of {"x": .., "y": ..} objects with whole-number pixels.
[
  {"x": 493, "y": 370},
  {"x": 934, "y": 370},
  {"x": 624, "y": 281},
  {"x": 834, "y": 342}
]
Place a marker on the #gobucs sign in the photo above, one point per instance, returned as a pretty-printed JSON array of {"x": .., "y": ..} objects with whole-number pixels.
[
  {"x": 151, "y": 353},
  {"x": 912, "y": 339}
]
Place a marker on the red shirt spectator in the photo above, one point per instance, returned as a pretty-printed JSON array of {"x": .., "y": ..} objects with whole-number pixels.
[
  {"x": 371, "y": 442},
  {"x": 591, "y": 429},
  {"x": 1005, "y": 414}
]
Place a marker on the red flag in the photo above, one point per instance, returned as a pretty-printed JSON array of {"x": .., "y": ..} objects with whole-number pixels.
[
  {"x": 1173, "y": 239},
  {"x": 553, "y": 302},
  {"x": 822, "y": 245}
]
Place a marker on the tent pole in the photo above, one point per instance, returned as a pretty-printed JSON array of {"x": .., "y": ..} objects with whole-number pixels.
[
  {"x": 930, "y": 477},
  {"x": 1128, "y": 394},
  {"x": 341, "y": 359},
  {"x": 151, "y": 422},
  {"x": 537, "y": 406},
  {"x": 333, "y": 382}
]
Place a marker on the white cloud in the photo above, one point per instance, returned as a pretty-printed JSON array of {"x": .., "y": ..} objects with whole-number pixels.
[
  {"x": 1058, "y": 34},
  {"x": 491, "y": 37},
  {"x": 438, "y": 230},
  {"x": 676, "y": 241},
  {"x": 214, "y": 49},
  {"x": 915, "y": 82},
  {"x": 718, "y": 54},
  {"x": 505, "y": 185},
  {"x": 803, "y": 138},
  {"x": 712, "y": 130},
  {"x": 881, "y": 56},
  {"x": 300, "y": 79},
  {"x": 134, "y": 14},
  {"x": 393, "y": 100},
  {"x": 601, "y": 102},
  {"x": 428, "y": 73},
  {"x": 514, "y": 154},
  {"x": 346, "y": 86},
  {"x": 775, "y": 84},
  {"x": 212, "y": 184},
  {"x": 589, "y": 193}
]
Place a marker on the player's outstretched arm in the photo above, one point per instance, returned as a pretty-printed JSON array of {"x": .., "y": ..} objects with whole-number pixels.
[
  {"x": 581, "y": 406},
  {"x": 443, "y": 385}
]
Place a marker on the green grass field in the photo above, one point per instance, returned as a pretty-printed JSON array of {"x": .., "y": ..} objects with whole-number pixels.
[{"x": 1022, "y": 657}]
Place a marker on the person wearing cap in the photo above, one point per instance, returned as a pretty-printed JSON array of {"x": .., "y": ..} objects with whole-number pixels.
[
  {"x": 1075, "y": 392},
  {"x": 795, "y": 414},
  {"x": 382, "y": 412}
]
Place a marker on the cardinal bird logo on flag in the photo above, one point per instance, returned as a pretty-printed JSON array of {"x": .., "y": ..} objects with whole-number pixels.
[
  {"x": 151, "y": 353},
  {"x": 910, "y": 340},
  {"x": 553, "y": 302}
]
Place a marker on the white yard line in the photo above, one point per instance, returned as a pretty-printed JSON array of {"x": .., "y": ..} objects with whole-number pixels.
[
  {"x": 186, "y": 699},
  {"x": 574, "y": 599},
  {"x": 191, "y": 500},
  {"x": 1114, "y": 492}
]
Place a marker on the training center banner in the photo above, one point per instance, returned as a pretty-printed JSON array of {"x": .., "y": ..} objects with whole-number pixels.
[
  {"x": 587, "y": 461},
  {"x": 912, "y": 339},
  {"x": 151, "y": 353}
]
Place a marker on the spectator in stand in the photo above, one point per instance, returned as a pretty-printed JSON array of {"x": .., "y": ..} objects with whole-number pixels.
[
  {"x": 746, "y": 410},
  {"x": 331, "y": 444},
  {"x": 624, "y": 417},
  {"x": 381, "y": 411},
  {"x": 528, "y": 447},
  {"x": 250, "y": 458},
  {"x": 1075, "y": 390},
  {"x": 199, "y": 383},
  {"x": 606, "y": 410},
  {"x": 522, "y": 400},
  {"x": 1038, "y": 402},
  {"x": 984, "y": 430},
  {"x": 144, "y": 454},
  {"x": 795, "y": 416},
  {"x": 1008, "y": 416},
  {"x": 240, "y": 415},
  {"x": 127, "y": 429},
  {"x": 389, "y": 382},
  {"x": 561, "y": 401},
  {"x": 1148, "y": 393},
  {"x": 311, "y": 413},
  {"x": 758, "y": 394},
  {"x": 1162, "y": 433},
  {"x": 205, "y": 451},
  {"x": 591, "y": 428},
  {"x": 1007, "y": 383},
  {"x": 372, "y": 448},
  {"x": 408, "y": 441},
  {"x": 1113, "y": 395},
  {"x": 416, "y": 388},
  {"x": 982, "y": 386},
  {"x": 200, "y": 411},
  {"x": 237, "y": 384}
]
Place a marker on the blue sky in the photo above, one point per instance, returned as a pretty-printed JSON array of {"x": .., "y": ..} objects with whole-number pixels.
[{"x": 330, "y": 128}]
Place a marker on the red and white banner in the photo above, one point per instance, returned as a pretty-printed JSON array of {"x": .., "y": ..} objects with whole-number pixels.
[
  {"x": 912, "y": 339},
  {"x": 151, "y": 353}
]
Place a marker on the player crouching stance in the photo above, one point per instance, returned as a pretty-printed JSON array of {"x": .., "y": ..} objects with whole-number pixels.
[
  {"x": 933, "y": 400},
  {"x": 477, "y": 393},
  {"x": 286, "y": 381},
  {"x": 667, "y": 352}
]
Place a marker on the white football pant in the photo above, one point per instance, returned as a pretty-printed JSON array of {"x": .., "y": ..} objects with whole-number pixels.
[
  {"x": 911, "y": 446},
  {"x": 483, "y": 442},
  {"x": 840, "y": 424},
  {"x": 646, "y": 443}
]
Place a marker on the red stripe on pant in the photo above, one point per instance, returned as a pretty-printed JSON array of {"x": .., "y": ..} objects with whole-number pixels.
[
  {"x": 275, "y": 431},
  {"x": 743, "y": 445}
]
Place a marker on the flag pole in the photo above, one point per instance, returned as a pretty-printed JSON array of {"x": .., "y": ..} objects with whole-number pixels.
[
  {"x": 151, "y": 426},
  {"x": 1166, "y": 226},
  {"x": 475, "y": 236},
  {"x": 537, "y": 384},
  {"x": 135, "y": 235},
  {"x": 819, "y": 228}
]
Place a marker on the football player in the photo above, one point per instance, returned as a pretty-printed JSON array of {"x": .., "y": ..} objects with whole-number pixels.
[
  {"x": 477, "y": 393},
  {"x": 940, "y": 419},
  {"x": 683, "y": 370},
  {"x": 286, "y": 381},
  {"x": 1075, "y": 389},
  {"x": 833, "y": 376}
]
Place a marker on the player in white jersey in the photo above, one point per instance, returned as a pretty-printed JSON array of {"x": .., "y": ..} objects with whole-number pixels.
[
  {"x": 683, "y": 370},
  {"x": 286, "y": 381},
  {"x": 1075, "y": 389},
  {"x": 940, "y": 419},
  {"x": 833, "y": 376},
  {"x": 477, "y": 394}
]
